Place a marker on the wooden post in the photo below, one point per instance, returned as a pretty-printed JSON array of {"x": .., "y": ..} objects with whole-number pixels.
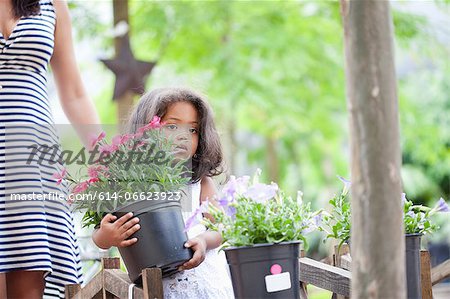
[
  {"x": 73, "y": 291},
  {"x": 338, "y": 253},
  {"x": 108, "y": 263},
  {"x": 303, "y": 286},
  {"x": 111, "y": 263},
  {"x": 124, "y": 103},
  {"x": 378, "y": 246},
  {"x": 152, "y": 283},
  {"x": 425, "y": 274},
  {"x": 303, "y": 291},
  {"x": 337, "y": 261}
]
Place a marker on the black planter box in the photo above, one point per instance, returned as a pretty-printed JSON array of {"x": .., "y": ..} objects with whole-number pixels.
[
  {"x": 160, "y": 240},
  {"x": 413, "y": 280},
  {"x": 265, "y": 270}
]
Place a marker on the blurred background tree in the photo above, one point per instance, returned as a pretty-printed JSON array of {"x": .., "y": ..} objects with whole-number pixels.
[{"x": 273, "y": 71}]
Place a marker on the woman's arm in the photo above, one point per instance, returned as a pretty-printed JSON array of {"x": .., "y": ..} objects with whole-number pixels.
[{"x": 77, "y": 106}]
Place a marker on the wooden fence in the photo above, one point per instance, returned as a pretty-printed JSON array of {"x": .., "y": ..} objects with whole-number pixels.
[{"x": 111, "y": 282}]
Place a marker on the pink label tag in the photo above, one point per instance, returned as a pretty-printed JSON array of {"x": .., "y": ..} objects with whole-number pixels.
[{"x": 276, "y": 269}]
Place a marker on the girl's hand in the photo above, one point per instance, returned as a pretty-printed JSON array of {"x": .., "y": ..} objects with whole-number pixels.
[
  {"x": 114, "y": 232},
  {"x": 199, "y": 246}
]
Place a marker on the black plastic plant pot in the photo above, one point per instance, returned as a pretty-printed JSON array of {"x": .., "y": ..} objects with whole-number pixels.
[
  {"x": 265, "y": 270},
  {"x": 413, "y": 280},
  {"x": 161, "y": 238}
]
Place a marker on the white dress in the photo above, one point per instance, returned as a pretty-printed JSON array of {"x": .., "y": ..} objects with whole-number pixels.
[{"x": 209, "y": 280}]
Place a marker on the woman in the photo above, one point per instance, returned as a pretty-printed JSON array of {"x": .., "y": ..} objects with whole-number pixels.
[{"x": 38, "y": 249}]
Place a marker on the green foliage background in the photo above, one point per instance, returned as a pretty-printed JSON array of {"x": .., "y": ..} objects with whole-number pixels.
[{"x": 274, "y": 73}]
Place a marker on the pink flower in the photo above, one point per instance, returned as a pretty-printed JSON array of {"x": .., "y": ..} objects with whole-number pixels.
[
  {"x": 141, "y": 143},
  {"x": 81, "y": 187},
  {"x": 93, "y": 180},
  {"x": 125, "y": 138},
  {"x": 138, "y": 135},
  {"x": 70, "y": 200},
  {"x": 95, "y": 170},
  {"x": 155, "y": 123},
  {"x": 60, "y": 176},
  {"x": 95, "y": 139},
  {"x": 117, "y": 140},
  {"x": 121, "y": 139},
  {"x": 108, "y": 148}
]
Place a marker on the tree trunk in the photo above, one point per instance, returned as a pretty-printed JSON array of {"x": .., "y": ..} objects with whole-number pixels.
[
  {"x": 378, "y": 249},
  {"x": 124, "y": 103},
  {"x": 120, "y": 13},
  {"x": 272, "y": 159}
]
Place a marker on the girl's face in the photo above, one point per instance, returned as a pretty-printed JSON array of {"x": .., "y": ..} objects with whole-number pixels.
[{"x": 181, "y": 124}]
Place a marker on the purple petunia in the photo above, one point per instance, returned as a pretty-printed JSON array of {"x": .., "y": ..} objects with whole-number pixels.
[
  {"x": 313, "y": 224},
  {"x": 235, "y": 186},
  {"x": 230, "y": 211},
  {"x": 404, "y": 198},
  {"x": 317, "y": 220},
  {"x": 225, "y": 201},
  {"x": 347, "y": 184},
  {"x": 261, "y": 192},
  {"x": 441, "y": 206},
  {"x": 410, "y": 214},
  {"x": 194, "y": 219}
]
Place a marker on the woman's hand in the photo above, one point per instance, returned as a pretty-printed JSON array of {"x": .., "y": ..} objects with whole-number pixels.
[
  {"x": 114, "y": 232},
  {"x": 199, "y": 246}
]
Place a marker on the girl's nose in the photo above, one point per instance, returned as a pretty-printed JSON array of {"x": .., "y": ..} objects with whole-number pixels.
[{"x": 183, "y": 135}]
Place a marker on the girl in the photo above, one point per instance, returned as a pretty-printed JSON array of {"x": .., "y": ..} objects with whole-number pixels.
[
  {"x": 187, "y": 115},
  {"x": 37, "y": 243}
]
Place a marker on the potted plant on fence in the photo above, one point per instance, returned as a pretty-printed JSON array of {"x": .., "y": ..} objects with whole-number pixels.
[
  {"x": 417, "y": 221},
  {"x": 262, "y": 230},
  {"x": 138, "y": 173},
  {"x": 337, "y": 223}
]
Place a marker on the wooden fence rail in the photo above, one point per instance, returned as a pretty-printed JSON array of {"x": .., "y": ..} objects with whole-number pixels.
[
  {"x": 440, "y": 272},
  {"x": 111, "y": 282},
  {"x": 325, "y": 276}
]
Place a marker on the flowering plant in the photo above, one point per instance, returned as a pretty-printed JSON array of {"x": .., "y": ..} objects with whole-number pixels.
[
  {"x": 132, "y": 167},
  {"x": 337, "y": 223},
  {"x": 416, "y": 218},
  {"x": 249, "y": 212}
]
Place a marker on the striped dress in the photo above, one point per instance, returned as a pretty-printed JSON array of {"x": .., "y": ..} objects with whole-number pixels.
[{"x": 36, "y": 233}]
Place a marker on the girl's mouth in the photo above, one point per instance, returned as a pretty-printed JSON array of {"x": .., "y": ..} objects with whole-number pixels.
[{"x": 181, "y": 148}]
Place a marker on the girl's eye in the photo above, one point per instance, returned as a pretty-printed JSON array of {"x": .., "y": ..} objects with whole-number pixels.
[
  {"x": 193, "y": 130},
  {"x": 171, "y": 127}
]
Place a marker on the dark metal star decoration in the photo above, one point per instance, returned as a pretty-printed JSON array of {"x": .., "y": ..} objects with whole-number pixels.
[{"x": 131, "y": 74}]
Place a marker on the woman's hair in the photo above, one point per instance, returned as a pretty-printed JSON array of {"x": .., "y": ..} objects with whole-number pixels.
[
  {"x": 209, "y": 157},
  {"x": 25, "y": 8}
]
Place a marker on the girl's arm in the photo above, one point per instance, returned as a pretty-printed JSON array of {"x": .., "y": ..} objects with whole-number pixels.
[
  {"x": 207, "y": 240},
  {"x": 76, "y": 104},
  {"x": 208, "y": 191}
]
